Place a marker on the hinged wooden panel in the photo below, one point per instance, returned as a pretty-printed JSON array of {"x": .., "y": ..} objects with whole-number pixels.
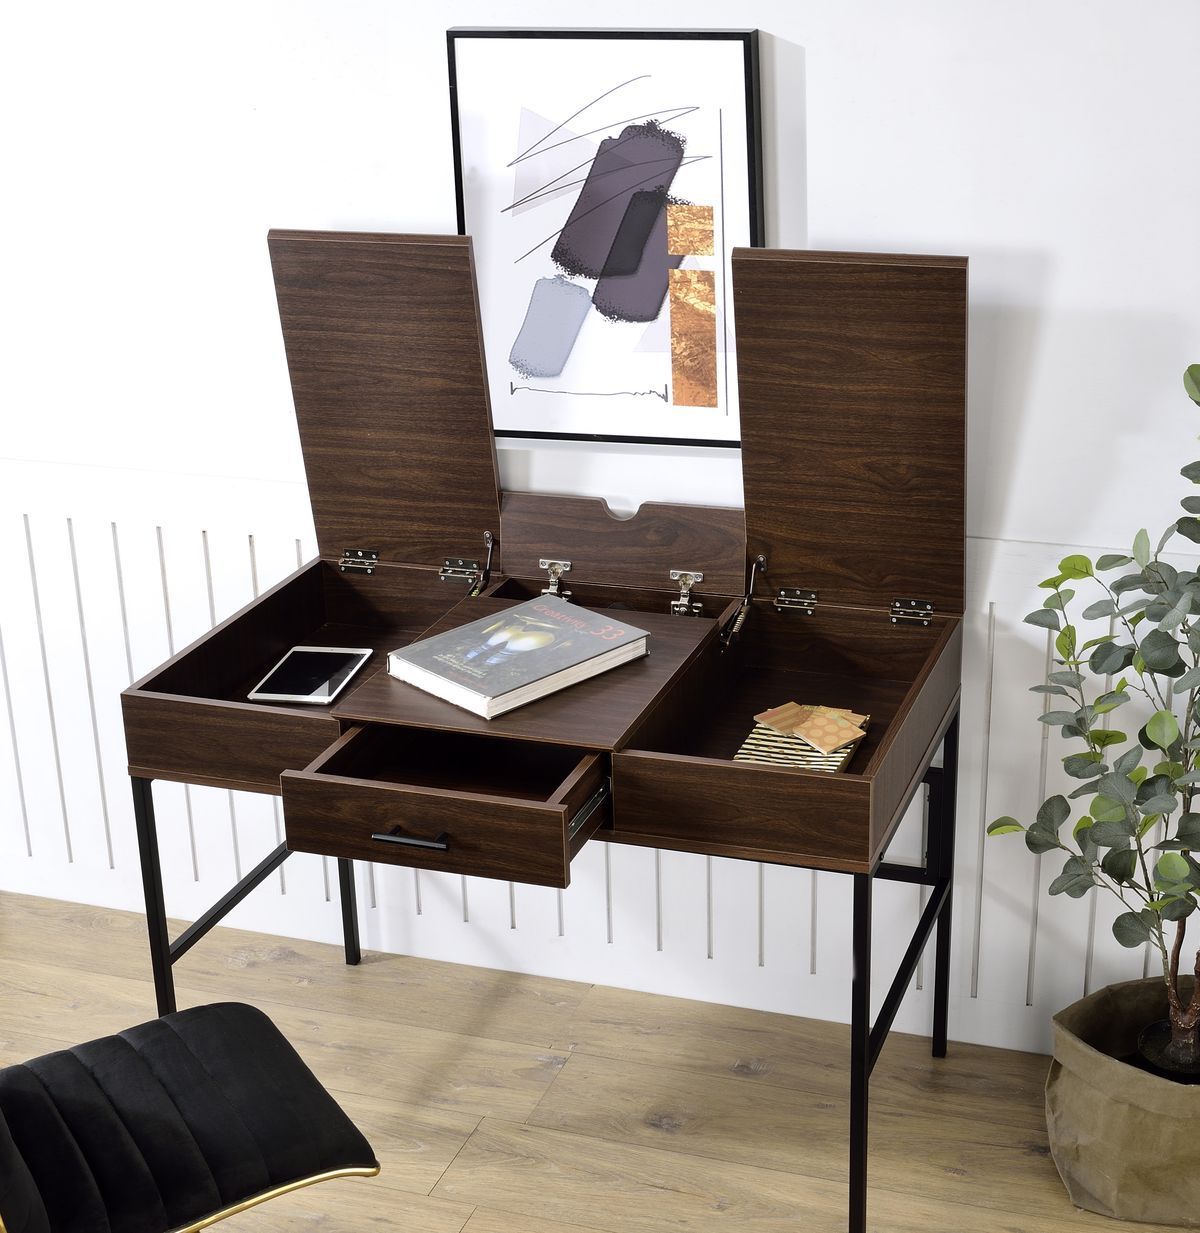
[
  {"x": 852, "y": 386},
  {"x": 639, "y": 551},
  {"x": 387, "y": 369}
]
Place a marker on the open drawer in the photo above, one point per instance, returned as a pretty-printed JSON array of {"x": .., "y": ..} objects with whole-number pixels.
[
  {"x": 677, "y": 783},
  {"x": 457, "y": 802}
]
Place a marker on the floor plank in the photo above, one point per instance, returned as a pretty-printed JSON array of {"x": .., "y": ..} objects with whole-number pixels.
[
  {"x": 350, "y": 1205},
  {"x": 986, "y": 1159},
  {"x": 530, "y": 1010},
  {"x": 620, "y": 1188},
  {"x": 770, "y": 1050},
  {"x": 348, "y": 1053}
]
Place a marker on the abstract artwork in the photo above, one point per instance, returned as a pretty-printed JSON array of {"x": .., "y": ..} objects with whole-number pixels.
[{"x": 605, "y": 177}]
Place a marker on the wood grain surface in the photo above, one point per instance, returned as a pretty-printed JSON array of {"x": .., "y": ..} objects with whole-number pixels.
[
  {"x": 386, "y": 361},
  {"x": 489, "y": 832},
  {"x": 852, "y": 387},
  {"x": 595, "y": 714},
  {"x": 503, "y": 1103},
  {"x": 190, "y": 719},
  {"x": 639, "y": 551}
]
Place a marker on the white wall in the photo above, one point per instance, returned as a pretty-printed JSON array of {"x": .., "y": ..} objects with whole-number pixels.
[{"x": 144, "y": 386}]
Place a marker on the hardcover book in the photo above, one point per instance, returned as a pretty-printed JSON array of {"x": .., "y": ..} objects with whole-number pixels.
[{"x": 513, "y": 657}]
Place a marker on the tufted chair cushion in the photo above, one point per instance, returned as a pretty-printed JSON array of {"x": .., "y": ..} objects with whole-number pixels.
[{"x": 166, "y": 1123}]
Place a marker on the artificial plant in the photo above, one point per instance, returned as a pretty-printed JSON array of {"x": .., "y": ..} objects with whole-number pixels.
[{"x": 1138, "y": 832}]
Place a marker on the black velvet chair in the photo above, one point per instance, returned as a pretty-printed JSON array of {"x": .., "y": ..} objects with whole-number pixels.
[{"x": 167, "y": 1126}]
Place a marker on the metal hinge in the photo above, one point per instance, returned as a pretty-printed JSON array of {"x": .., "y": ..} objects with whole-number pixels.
[
  {"x": 795, "y": 599},
  {"x": 685, "y": 605},
  {"x": 464, "y": 570},
  {"x": 555, "y": 569},
  {"x": 734, "y": 625},
  {"x": 912, "y": 612},
  {"x": 358, "y": 561}
]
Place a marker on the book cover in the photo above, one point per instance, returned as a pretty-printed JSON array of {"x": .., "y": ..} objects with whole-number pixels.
[{"x": 541, "y": 641}]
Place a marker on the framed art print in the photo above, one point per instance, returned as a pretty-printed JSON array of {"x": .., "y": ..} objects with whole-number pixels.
[{"x": 605, "y": 177}]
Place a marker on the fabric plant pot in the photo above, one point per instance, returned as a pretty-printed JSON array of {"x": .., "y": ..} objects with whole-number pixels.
[{"x": 1126, "y": 1142}]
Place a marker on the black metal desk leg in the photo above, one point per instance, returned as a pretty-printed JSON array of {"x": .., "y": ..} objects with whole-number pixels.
[
  {"x": 349, "y": 910},
  {"x": 943, "y": 835},
  {"x": 152, "y": 888},
  {"x": 860, "y": 1052}
]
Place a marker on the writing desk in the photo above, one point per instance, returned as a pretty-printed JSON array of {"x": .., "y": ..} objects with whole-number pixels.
[{"x": 840, "y": 582}]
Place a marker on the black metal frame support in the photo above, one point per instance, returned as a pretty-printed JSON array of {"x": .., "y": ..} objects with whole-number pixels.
[
  {"x": 867, "y": 1038},
  {"x": 164, "y": 952}
]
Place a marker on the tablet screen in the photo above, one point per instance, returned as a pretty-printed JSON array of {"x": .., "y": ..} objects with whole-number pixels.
[{"x": 310, "y": 674}]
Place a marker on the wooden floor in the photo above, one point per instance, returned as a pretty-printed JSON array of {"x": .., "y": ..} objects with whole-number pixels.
[{"x": 513, "y": 1104}]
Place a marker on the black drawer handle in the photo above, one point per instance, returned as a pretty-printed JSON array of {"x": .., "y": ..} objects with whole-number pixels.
[{"x": 440, "y": 844}]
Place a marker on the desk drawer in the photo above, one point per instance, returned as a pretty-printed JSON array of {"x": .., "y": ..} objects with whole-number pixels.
[{"x": 455, "y": 802}]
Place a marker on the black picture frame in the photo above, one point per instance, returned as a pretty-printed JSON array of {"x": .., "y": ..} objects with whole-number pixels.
[{"x": 749, "y": 38}]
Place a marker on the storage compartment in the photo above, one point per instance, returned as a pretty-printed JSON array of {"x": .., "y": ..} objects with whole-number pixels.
[
  {"x": 190, "y": 719},
  {"x": 449, "y": 801},
  {"x": 677, "y": 782}
]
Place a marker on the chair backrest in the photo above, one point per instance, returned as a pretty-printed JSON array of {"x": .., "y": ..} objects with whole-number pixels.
[{"x": 21, "y": 1207}]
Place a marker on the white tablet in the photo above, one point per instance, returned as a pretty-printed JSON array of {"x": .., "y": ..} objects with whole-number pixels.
[{"x": 314, "y": 674}]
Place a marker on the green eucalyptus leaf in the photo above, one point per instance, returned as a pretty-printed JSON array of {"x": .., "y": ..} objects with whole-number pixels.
[
  {"x": 1081, "y": 791},
  {"x": 1101, "y": 608},
  {"x": 1049, "y": 689},
  {"x": 1177, "y": 615},
  {"x": 1057, "y": 717},
  {"x": 1128, "y": 582},
  {"x": 1191, "y": 504},
  {"x": 1138, "y": 774},
  {"x": 1075, "y": 566},
  {"x": 1110, "y": 658},
  {"x": 1146, "y": 825},
  {"x": 1187, "y": 777},
  {"x": 1131, "y": 929},
  {"x": 1160, "y": 651},
  {"x": 1083, "y": 765},
  {"x": 1141, "y": 548},
  {"x": 1075, "y": 880},
  {"x": 1064, "y": 644},
  {"x": 1053, "y": 813},
  {"x": 1163, "y": 729},
  {"x": 1045, "y": 618},
  {"x": 1128, "y": 760},
  {"x": 1039, "y": 840},
  {"x": 1105, "y": 809},
  {"x": 1052, "y": 584},
  {"x": 1004, "y": 826},
  {"x": 1191, "y": 382},
  {"x": 1187, "y": 828},
  {"x": 1110, "y": 701},
  {"x": 1161, "y": 802},
  {"x": 1189, "y": 528},
  {"x": 1191, "y": 472},
  {"x": 1111, "y": 834},
  {"x": 1059, "y": 599},
  {"x": 1189, "y": 680},
  {"x": 1178, "y": 909},
  {"x": 1171, "y": 869},
  {"x": 1120, "y": 864},
  {"x": 1117, "y": 787},
  {"x": 1104, "y": 737},
  {"x": 1066, "y": 677},
  {"x": 1164, "y": 539},
  {"x": 1112, "y": 560}
]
